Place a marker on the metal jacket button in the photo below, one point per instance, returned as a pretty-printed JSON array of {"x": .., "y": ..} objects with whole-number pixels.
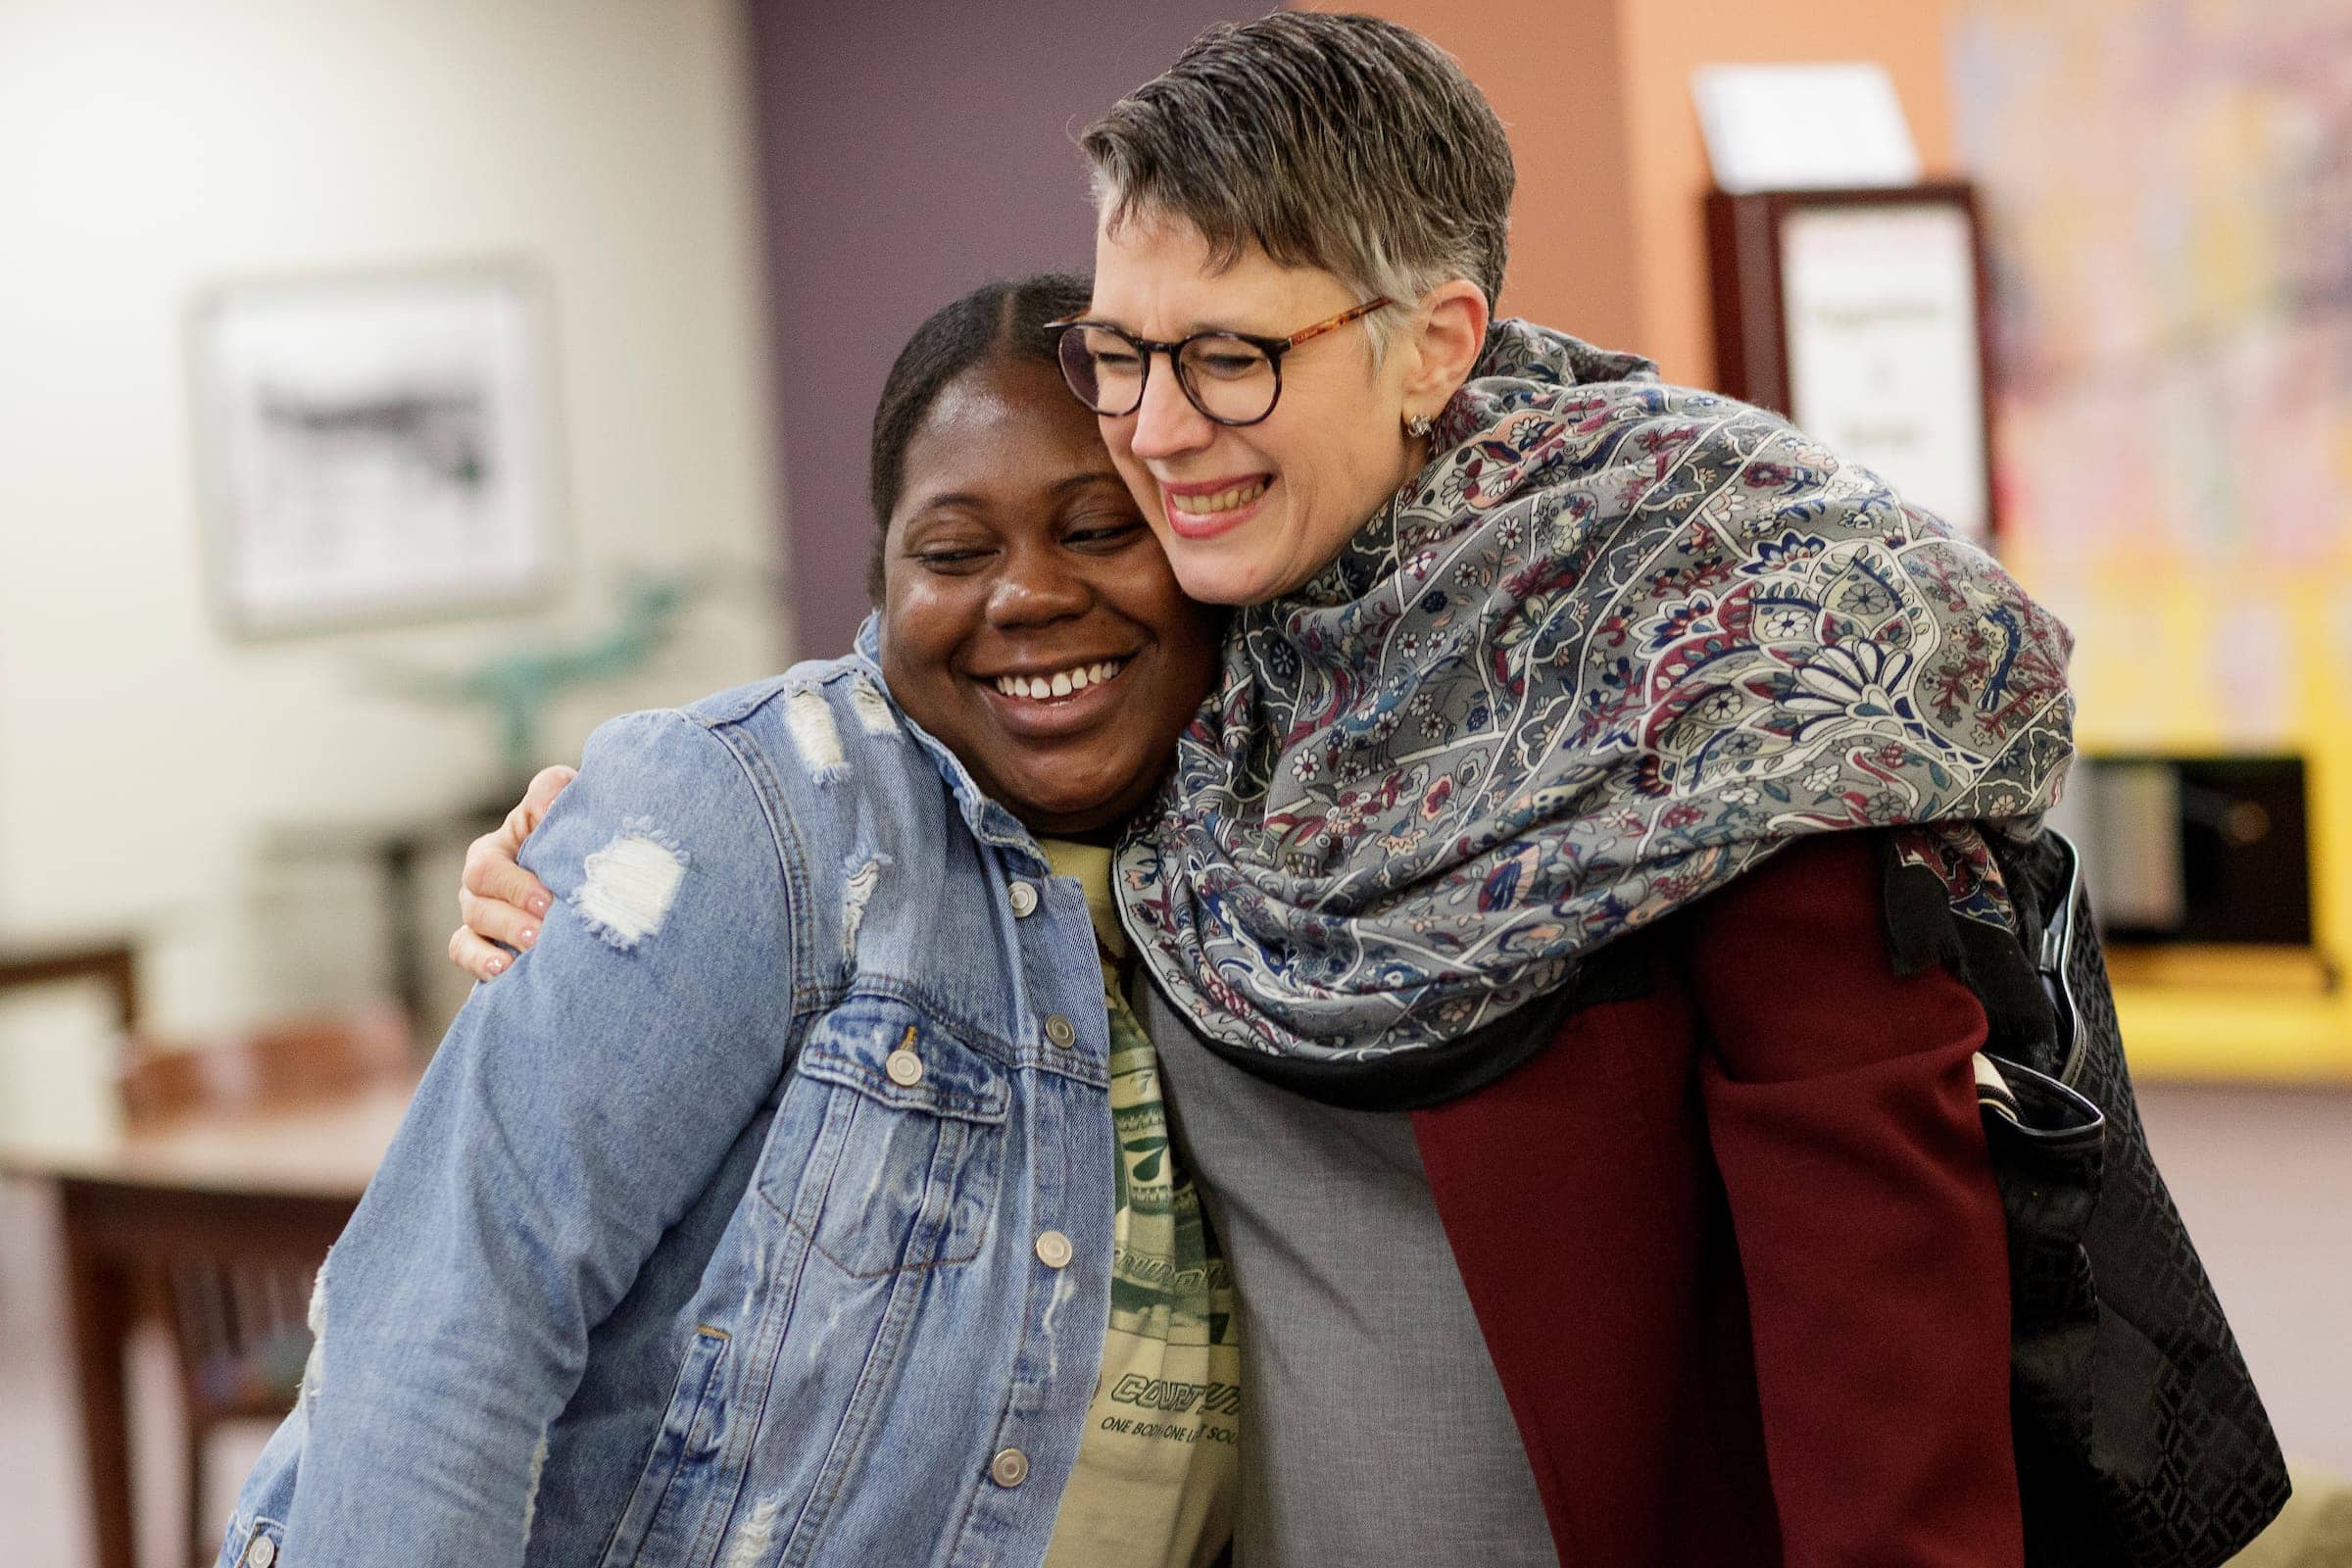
[
  {"x": 1024, "y": 900},
  {"x": 904, "y": 1067},
  {"x": 1054, "y": 1249},
  {"x": 1009, "y": 1468},
  {"x": 1059, "y": 1031},
  {"x": 263, "y": 1553}
]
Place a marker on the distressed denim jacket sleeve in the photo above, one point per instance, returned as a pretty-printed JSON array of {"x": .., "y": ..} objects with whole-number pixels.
[{"x": 576, "y": 1108}]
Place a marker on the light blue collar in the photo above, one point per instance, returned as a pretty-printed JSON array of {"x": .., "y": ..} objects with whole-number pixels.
[{"x": 990, "y": 822}]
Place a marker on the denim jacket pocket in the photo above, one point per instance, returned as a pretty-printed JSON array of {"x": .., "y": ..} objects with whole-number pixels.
[
  {"x": 888, "y": 1141},
  {"x": 664, "y": 1512}
]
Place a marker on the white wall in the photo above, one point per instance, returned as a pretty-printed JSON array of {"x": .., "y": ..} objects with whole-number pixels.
[{"x": 150, "y": 150}]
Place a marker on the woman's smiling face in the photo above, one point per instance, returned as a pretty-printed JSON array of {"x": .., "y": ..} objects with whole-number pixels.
[
  {"x": 1029, "y": 622},
  {"x": 1250, "y": 512}
]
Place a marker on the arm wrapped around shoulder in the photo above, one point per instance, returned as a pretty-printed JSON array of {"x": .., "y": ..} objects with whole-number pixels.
[{"x": 1842, "y": 1110}]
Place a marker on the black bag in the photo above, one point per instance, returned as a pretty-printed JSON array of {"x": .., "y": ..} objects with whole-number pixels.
[{"x": 2140, "y": 1440}]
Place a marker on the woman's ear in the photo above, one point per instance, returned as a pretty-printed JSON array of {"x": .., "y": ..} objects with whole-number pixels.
[{"x": 1447, "y": 346}]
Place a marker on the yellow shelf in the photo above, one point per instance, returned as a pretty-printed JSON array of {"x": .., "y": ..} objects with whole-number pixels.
[
  {"x": 2213, "y": 1032},
  {"x": 2261, "y": 972},
  {"x": 2159, "y": 670}
]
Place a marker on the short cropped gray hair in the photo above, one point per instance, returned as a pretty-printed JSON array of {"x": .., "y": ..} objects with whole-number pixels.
[{"x": 1344, "y": 142}]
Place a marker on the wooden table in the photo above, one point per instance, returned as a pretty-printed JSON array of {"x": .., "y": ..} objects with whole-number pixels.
[{"x": 277, "y": 1184}]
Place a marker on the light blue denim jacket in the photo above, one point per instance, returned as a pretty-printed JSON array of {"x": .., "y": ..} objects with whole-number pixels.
[{"x": 711, "y": 1236}]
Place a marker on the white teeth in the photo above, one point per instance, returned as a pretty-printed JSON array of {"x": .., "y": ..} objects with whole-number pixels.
[
  {"x": 1061, "y": 683},
  {"x": 1240, "y": 495}
]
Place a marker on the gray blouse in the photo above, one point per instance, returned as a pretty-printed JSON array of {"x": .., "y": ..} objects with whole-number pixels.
[{"x": 1374, "y": 1430}]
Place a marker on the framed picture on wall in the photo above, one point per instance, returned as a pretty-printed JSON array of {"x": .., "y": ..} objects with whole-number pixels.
[
  {"x": 376, "y": 449},
  {"x": 1860, "y": 314}
]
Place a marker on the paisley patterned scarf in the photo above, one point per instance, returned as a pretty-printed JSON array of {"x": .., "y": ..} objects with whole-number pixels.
[{"x": 1614, "y": 645}]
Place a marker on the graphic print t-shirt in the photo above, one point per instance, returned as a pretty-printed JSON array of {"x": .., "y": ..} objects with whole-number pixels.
[{"x": 1154, "y": 1485}]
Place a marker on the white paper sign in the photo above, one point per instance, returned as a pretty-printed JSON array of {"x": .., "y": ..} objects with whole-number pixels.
[
  {"x": 1883, "y": 349},
  {"x": 1804, "y": 127}
]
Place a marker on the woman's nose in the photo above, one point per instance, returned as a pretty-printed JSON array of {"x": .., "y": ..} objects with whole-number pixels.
[
  {"x": 1166, "y": 425},
  {"x": 1035, "y": 588}
]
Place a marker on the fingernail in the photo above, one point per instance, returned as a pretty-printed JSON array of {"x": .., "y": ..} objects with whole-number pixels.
[
  {"x": 531, "y": 934},
  {"x": 497, "y": 966},
  {"x": 536, "y": 904}
]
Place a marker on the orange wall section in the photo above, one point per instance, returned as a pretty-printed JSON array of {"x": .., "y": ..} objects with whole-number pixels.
[
  {"x": 1555, "y": 76},
  {"x": 1669, "y": 178},
  {"x": 1607, "y": 237}
]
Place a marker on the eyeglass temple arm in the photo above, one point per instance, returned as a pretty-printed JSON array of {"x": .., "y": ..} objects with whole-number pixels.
[{"x": 1307, "y": 334}]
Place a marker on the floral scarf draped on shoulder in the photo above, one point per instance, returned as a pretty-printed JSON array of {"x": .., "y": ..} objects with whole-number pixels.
[{"x": 1614, "y": 645}]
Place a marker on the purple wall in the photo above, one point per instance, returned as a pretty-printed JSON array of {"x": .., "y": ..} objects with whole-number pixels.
[{"x": 912, "y": 150}]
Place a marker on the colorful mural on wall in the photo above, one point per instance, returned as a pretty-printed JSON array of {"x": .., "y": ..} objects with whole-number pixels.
[
  {"x": 2169, "y": 185},
  {"x": 2168, "y": 189}
]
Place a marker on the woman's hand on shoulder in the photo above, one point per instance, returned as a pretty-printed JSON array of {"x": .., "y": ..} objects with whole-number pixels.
[{"x": 498, "y": 900}]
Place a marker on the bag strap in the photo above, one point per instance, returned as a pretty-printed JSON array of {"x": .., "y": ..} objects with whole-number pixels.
[{"x": 2059, "y": 1107}]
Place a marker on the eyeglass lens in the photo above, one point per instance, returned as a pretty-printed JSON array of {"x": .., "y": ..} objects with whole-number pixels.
[{"x": 1228, "y": 378}]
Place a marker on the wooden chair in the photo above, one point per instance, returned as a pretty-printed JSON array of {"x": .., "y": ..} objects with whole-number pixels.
[
  {"x": 240, "y": 1324},
  {"x": 113, "y": 964}
]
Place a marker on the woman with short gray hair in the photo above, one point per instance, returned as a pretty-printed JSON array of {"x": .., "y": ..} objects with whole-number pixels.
[{"x": 1517, "y": 910}]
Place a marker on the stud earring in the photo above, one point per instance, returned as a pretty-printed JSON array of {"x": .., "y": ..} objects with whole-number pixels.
[{"x": 1418, "y": 425}]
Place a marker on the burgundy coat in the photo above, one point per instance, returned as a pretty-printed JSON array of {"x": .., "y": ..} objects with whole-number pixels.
[{"x": 1736, "y": 1252}]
